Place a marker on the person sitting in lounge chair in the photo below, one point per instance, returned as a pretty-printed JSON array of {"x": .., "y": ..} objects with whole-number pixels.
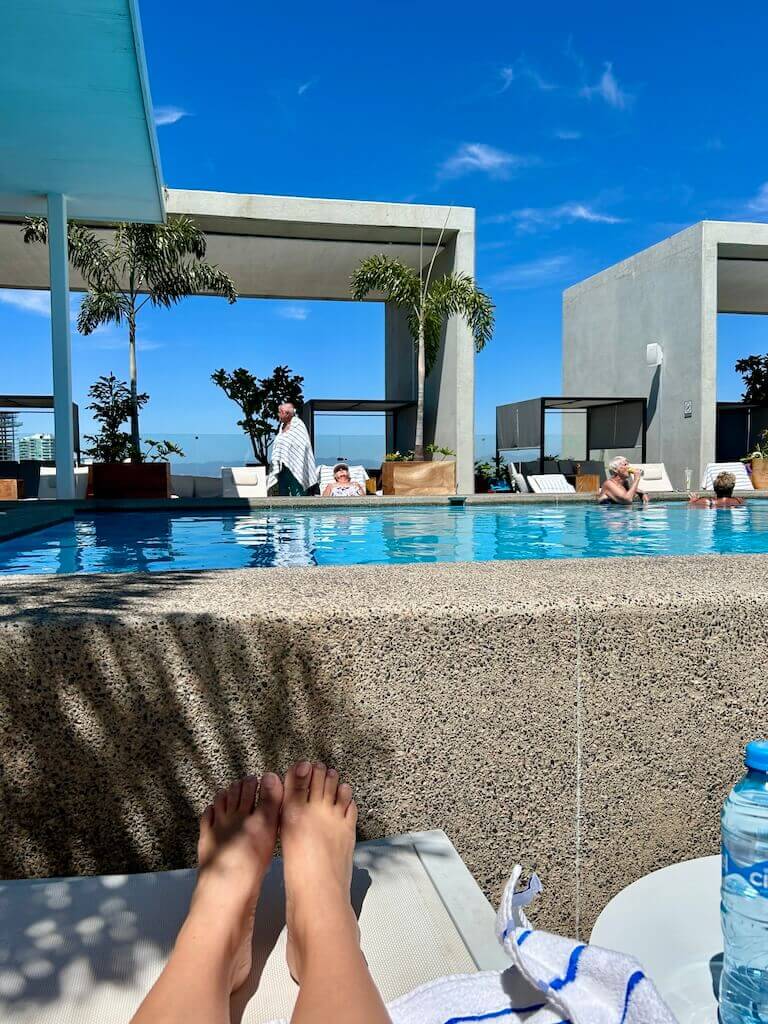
[
  {"x": 722, "y": 485},
  {"x": 621, "y": 487},
  {"x": 211, "y": 958},
  {"x": 343, "y": 485}
]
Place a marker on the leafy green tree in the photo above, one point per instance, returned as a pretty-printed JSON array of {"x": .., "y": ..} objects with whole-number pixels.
[
  {"x": 158, "y": 264},
  {"x": 428, "y": 305},
  {"x": 754, "y": 370},
  {"x": 259, "y": 400},
  {"x": 111, "y": 406}
]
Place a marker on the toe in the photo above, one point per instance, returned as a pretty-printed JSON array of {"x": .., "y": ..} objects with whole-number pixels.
[
  {"x": 344, "y": 797},
  {"x": 206, "y": 821},
  {"x": 331, "y": 786},
  {"x": 233, "y": 796},
  {"x": 351, "y": 813},
  {"x": 317, "y": 784},
  {"x": 220, "y": 805},
  {"x": 248, "y": 793},
  {"x": 297, "y": 781},
  {"x": 270, "y": 795}
]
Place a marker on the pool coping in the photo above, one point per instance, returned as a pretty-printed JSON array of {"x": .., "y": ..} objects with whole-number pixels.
[{"x": 27, "y": 516}]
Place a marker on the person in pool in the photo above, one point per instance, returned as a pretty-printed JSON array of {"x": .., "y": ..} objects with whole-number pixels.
[
  {"x": 211, "y": 959},
  {"x": 621, "y": 487},
  {"x": 343, "y": 485},
  {"x": 722, "y": 485}
]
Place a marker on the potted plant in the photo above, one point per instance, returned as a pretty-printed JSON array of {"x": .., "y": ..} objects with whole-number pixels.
[
  {"x": 428, "y": 304},
  {"x": 259, "y": 399},
  {"x": 483, "y": 476},
  {"x": 113, "y": 474},
  {"x": 758, "y": 462},
  {"x": 158, "y": 264}
]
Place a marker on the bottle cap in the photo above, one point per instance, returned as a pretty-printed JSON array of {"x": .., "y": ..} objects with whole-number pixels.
[{"x": 756, "y": 755}]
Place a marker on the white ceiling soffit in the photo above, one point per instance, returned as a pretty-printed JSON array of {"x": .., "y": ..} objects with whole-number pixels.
[{"x": 76, "y": 111}]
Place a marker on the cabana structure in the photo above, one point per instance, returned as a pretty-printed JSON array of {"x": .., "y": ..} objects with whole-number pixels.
[
  {"x": 391, "y": 409},
  {"x": 588, "y": 430},
  {"x": 78, "y": 142},
  {"x": 40, "y": 403}
]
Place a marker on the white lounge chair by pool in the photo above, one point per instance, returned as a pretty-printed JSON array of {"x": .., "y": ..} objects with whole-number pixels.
[
  {"x": 47, "y": 488},
  {"x": 243, "y": 482},
  {"x": 739, "y": 470},
  {"x": 550, "y": 483},
  {"x": 356, "y": 473},
  {"x": 655, "y": 477},
  {"x": 422, "y": 916}
]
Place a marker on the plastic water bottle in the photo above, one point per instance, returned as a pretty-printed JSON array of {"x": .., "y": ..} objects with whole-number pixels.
[{"x": 744, "y": 894}]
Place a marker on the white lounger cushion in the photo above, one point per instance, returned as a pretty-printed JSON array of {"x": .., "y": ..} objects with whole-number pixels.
[
  {"x": 550, "y": 483},
  {"x": 356, "y": 473},
  {"x": 655, "y": 477},
  {"x": 243, "y": 482},
  {"x": 47, "y": 488},
  {"x": 519, "y": 479},
  {"x": 739, "y": 470}
]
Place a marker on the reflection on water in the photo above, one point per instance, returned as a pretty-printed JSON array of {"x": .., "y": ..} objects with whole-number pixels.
[{"x": 160, "y": 541}]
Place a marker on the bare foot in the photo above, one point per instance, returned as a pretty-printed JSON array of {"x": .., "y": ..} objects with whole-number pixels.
[
  {"x": 317, "y": 833},
  {"x": 237, "y": 841}
]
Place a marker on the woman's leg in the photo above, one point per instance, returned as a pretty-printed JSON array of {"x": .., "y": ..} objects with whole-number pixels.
[
  {"x": 212, "y": 954},
  {"x": 317, "y": 834}
]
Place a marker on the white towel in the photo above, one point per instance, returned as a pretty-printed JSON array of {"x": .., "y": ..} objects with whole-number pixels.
[
  {"x": 292, "y": 450},
  {"x": 552, "y": 981}
]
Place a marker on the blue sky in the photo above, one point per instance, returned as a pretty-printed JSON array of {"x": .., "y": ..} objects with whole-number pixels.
[{"x": 580, "y": 137}]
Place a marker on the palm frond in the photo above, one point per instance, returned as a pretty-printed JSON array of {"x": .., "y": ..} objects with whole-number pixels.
[
  {"x": 399, "y": 283},
  {"x": 458, "y": 295},
  {"x": 101, "y": 307}
]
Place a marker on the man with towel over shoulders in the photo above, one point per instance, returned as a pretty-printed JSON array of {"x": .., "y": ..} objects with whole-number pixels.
[{"x": 293, "y": 461}]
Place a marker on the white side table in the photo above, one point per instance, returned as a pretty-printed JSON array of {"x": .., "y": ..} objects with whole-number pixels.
[{"x": 670, "y": 921}]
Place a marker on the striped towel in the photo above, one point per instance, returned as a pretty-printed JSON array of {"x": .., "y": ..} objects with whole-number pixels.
[
  {"x": 552, "y": 980},
  {"x": 292, "y": 450}
]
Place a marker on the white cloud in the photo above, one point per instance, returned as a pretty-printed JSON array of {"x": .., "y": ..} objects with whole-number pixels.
[
  {"x": 306, "y": 85},
  {"x": 531, "y": 218},
  {"x": 477, "y": 156},
  {"x": 567, "y": 136},
  {"x": 27, "y": 301},
  {"x": 535, "y": 274},
  {"x": 521, "y": 70},
  {"x": 607, "y": 88},
  {"x": 759, "y": 203},
  {"x": 293, "y": 312},
  {"x": 169, "y": 115}
]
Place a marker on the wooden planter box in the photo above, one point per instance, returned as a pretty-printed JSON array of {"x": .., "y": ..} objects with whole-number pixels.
[
  {"x": 760, "y": 474},
  {"x": 587, "y": 483},
  {"x": 410, "y": 479},
  {"x": 129, "y": 480},
  {"x": 11, "y": 490}
]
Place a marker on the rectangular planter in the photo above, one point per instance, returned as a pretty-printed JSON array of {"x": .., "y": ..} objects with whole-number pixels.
[
  {"x": 129, "y": 480},
  {"x": 411, "y": 479},
  {"x": 760, "y": 474}
]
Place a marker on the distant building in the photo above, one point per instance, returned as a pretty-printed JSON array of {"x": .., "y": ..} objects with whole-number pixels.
[
  {"x": 9, "y": 423},
  {"x": 40, "y": 447}
]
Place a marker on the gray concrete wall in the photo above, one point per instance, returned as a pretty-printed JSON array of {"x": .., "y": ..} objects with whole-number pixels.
[
  {"x": 666, "y": 294},
  {"x": 494, "y": 700}
]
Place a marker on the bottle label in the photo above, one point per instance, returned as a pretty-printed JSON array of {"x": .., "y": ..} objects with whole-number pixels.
[{"x": 755, "y": 875}]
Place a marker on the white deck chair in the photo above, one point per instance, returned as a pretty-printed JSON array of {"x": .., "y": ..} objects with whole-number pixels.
[
  {"x": 243, "y": 482},
  {"x": 325, "y": 475},
  {"x": 550, "y": 483},
  {"x": 422, "y": 916},
  {"x": 47, "y": 488},
  {"x": 655, "y": 477},
  {"x": 519, "y": 479},
  {"x": 739, "y": 470}
]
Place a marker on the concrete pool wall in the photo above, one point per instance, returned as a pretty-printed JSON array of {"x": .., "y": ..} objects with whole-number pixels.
[{"x": 582, "y": 717}]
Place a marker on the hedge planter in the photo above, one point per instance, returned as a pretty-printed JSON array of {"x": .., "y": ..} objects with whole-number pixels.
[
  {"x": 129, "y": 480},
  {"x": 411, "y": 479},
  {"x": 760, "y": 474}
]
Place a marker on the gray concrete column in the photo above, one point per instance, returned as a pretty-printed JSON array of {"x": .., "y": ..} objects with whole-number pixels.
[
  {"x": 399, "y": 377},
  {"x": 58, "y": 256}
]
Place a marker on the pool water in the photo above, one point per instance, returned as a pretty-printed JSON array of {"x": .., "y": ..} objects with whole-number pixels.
[{"x": 163, "y": 541}]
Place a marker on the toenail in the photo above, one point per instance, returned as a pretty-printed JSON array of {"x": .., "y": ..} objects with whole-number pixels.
[
  {"x": 303, "y": 768},
  {"x": 269, "y": 779},
  {"x": 332, "y": 772}
]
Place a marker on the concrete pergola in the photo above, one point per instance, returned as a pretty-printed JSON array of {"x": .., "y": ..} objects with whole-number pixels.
[
  {"x": 668, "y": 295},
  {"x": 285, "y": 247},
  {"x": 78, "y": 142}
]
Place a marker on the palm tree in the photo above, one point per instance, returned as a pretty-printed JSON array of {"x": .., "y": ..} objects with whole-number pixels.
[
  {"x": 428, "y": 305},
  {"x": 155, "y": 263}
]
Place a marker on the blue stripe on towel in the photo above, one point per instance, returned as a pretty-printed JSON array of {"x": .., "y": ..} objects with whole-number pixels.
[
  {"x": 523, "y": 936},
  {"x": 573, "y": 966},
  {"x": 499, "y": 1013},
  {"x": 631, "y": 985}
]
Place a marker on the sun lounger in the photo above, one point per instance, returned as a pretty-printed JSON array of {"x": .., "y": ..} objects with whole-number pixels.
[
  {"x": 739, "y": 470},
  {"x": 88, "y": 949},
  {"x": 356, "y": 473},
  {"x": 550, "y": 483},
  {"x": 243, "y": 482},
  {"x": 655, "y": 477},
  {"x": 47, "y": 485}
]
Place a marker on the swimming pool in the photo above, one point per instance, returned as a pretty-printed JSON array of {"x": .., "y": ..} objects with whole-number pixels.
[{"x": 162, "y": 541}]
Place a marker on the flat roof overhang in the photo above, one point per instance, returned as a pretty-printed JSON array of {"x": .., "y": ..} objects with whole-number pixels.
[
  {"x": 357, "y": 405},
  {"x": 279, "y": 246},
  {"x": 77, "y": 114}
]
